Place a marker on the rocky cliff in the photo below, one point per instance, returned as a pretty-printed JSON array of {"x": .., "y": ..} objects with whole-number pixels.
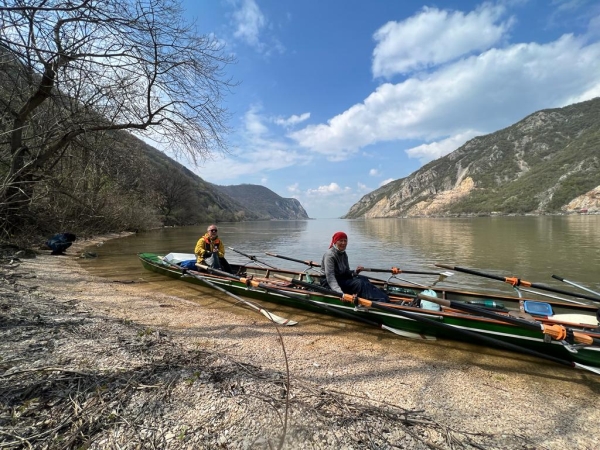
[{"x": 547, "y": 163}]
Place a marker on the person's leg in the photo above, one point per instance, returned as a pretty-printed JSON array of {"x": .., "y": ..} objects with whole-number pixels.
[
  {"x": 213, "y": 261},
  {"x": 225, "y": 265},
  {"x": 362, "y": 287}
]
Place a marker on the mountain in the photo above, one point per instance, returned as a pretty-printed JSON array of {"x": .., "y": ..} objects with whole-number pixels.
[
  {"x": 548, "y": 162},
  {"x": 264, "y": 202},
  {"x": 189, "y": 199},
  {"x": 105, "y": 181}
]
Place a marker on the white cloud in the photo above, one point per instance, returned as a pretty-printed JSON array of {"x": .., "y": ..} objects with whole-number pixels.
[
  {"x": 384, "y": 182},
  {"x": 327, "y": 190},
  {"x": 250, "y": 25},
  {"x": 257, "y": 153},
  {"x": 249, "y": 21},
  {"x": 330, "y": 200},
  {"x": 433, "y": 37},
  {"x": 429, "y": 152},
  {"x": 292, "y": 120},
  {"x": 253, "y": 122},
  {"x": 483, "y": 92},
  {"x": 374, "y": 172}
]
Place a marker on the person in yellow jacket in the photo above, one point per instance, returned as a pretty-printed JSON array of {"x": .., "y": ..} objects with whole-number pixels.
[{"x": 210, "y": 250}]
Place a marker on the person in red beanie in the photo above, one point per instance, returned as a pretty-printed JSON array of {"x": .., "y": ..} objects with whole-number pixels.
[{"x": 339, "y": 277}]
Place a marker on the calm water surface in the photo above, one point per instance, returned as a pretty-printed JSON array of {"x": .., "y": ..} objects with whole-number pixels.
[{"x": 532, "y": 248}]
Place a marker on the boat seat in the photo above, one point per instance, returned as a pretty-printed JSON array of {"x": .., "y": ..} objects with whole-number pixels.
[{"x": 579, "y": 319}]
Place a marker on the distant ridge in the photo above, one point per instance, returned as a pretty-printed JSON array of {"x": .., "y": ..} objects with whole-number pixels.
[{"x": 264, "y": 202}]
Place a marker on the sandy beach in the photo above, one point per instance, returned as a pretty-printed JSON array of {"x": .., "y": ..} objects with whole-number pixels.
[{"x": 88, "y": 362}]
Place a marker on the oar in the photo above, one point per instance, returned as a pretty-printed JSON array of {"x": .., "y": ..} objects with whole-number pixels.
[
  {"x": 396, "y": 271},
  {"x": 514, "y": 281},
  {"x": 269, "y": 315},
  {"x": 308, "y": 263},
  {"x": 368, "y": 304},
  {"x": 577, "y": 285},
  {"x": 557, "y": 332},
  {"x": 252, "y": 257},
  {"x": 393, "y": 270},
  {"x": 466, "y": 333},
  {"x": 257, "y": 284},
  {"x": 555, "y": 297}
]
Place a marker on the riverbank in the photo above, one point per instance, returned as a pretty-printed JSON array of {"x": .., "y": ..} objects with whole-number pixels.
[{"x": 89, "y": 362}]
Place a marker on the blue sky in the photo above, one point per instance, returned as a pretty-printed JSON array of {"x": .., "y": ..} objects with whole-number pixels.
[{"x": 338, "y": 97}]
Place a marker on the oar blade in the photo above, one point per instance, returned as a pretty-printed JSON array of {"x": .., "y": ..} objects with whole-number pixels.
[
  {"x": 595, "y": 370},
  {"x": 269, "y": 315},
  {"x": 277, "y": 319},
  {"x": 409, "y": 334}
]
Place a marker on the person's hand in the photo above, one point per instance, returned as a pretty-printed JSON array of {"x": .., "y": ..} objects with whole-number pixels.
[{"x": 358, "y": 270}]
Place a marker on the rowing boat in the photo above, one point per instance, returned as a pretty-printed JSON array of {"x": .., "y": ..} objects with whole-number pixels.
[{"x": 409, "y": 313}]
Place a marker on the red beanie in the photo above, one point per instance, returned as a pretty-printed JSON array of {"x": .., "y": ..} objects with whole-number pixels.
[{"x": 337, "y": 236}]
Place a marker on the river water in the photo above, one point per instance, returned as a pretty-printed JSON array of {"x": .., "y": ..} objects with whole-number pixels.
[{"x": 532, "y": 248}]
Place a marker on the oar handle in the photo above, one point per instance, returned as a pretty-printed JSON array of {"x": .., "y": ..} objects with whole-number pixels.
[
  {"x": 241, "y": 253},
  {"x": 562, "y": 291},
  {"x": 579, "y": 286}
]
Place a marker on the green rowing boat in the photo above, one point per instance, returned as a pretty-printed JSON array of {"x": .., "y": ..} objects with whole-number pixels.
[{"x": 411, "y": 316}]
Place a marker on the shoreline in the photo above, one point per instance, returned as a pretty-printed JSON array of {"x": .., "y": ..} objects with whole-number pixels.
[{"x": 205, "y": 377}]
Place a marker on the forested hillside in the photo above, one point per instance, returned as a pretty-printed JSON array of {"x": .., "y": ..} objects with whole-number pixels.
[
  {"x": 73, "y": 95},
  {"x": 264, "y": 202}
]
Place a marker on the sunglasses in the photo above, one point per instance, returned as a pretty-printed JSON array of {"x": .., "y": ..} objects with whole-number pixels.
[{"x": 214, "y": 230}]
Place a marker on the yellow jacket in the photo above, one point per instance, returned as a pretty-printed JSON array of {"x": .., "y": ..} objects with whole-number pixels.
[{"x": 207, "y": 245}]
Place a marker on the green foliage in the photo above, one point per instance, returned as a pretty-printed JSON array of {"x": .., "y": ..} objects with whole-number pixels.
[{"x": 571, "y": 188}]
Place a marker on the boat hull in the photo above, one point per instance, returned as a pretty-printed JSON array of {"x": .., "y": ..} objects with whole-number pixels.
[{"x": 456, "y": 320}]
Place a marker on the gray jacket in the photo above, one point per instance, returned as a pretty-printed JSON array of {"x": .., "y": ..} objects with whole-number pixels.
[{"x": 335, "y": 265}]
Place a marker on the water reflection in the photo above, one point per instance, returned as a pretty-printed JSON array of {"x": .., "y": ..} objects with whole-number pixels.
[{"x": 532, "y": 248}]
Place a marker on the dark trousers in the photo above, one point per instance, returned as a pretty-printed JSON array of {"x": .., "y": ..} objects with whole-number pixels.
[
  {"x": 218, "y": 263},
  {"x": 362, "y": 287}
]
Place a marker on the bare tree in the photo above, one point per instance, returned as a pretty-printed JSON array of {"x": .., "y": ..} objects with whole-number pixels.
[{"x": 78, "y": 67}]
